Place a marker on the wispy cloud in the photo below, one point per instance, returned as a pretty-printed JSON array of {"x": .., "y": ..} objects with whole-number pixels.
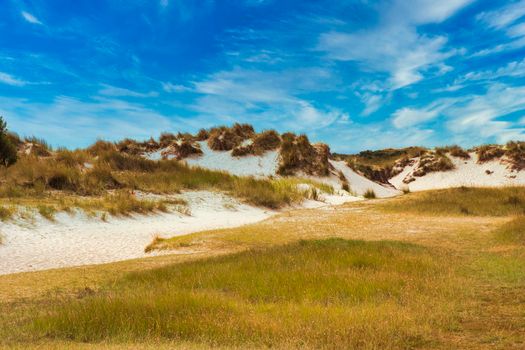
[
  {"x": 508, "y": 19},
  {"x": 394, "y": 45},
  {"x": 172, "y": 88},
  {"x": 408, "y": 117},
  {"x": 473, "y": 118},
  {"x": 269, "y": 97},
  {"x": 504, "y": 16},
  {"x": 30, "y": 18},
  {"x": 109, "y": 90},
  {"x": 68, "y": 121},
  {"x": 479, "y": 117},
  {"x": 11, "y": 80}
]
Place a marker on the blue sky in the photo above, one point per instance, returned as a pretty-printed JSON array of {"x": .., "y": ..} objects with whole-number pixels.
[{"x": 355, "y": 74}]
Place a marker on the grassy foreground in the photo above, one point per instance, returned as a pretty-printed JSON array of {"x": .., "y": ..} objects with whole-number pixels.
[
  {"x": 361, "y": 276},
  {"x": 310, "y": 293}
]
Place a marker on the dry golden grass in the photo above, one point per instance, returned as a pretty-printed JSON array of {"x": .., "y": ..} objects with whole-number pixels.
[
  {"x": 473, "y": 301},
  {"x": 463, "y": 201}
]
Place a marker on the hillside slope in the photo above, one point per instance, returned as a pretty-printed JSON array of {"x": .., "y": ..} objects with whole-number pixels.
[
  {"x": 419, "y": 169},
  {"x": 466, "y": 172}
]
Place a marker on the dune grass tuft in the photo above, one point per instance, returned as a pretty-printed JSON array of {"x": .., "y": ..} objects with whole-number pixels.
[
  {"x": 307, "y": 294},
  {"x": 6, "y": 212},
  {"x": 369, "y": 194},
  {"x": 48, "y": 212}
]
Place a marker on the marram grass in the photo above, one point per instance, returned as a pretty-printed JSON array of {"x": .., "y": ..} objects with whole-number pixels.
[{"x": 330, "y": 293}]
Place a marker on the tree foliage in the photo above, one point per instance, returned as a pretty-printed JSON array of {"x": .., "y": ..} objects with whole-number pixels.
[{"x": 8, "y": 154}]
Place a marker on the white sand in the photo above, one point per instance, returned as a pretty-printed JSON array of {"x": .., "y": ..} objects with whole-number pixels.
[
  {"x": 360, "y": 184},
  {"x": 467, "y": 173},
  {"x": 250, "y": 165},
  {"x": 77, "y": 240}
]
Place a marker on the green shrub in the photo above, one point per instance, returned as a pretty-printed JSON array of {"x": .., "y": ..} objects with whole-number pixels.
[
  {"x": 8, "y": 155},
  {"x": 381, "y": 165}
]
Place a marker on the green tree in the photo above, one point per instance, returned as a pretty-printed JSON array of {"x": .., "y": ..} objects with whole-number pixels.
[{"x": 7, "y": 149}]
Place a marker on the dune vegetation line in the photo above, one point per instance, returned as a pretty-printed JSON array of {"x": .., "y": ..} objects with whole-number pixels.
[{"x": 104, "y": 176}]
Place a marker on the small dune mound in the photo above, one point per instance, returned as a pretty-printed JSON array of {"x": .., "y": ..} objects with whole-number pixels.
[
  {"x": 515, "y": 153},
  {"x": 383, "y": 164},
  {"x": 454, "y": 151},
  {"x": 181, "y": 149},
  {"x": 226, "y": 139},
  {"x": 31, "y": 146},
  {"x": 487, "y": 153},
  {"x": 268, "y": 140},
  {"x": 299, "y": 155},
  {"x": 432, "y": 162}
]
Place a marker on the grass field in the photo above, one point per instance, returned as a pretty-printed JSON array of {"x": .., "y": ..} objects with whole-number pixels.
[
  {"x": 463, "y": 201},
  {"x": 369, "y": 275}
]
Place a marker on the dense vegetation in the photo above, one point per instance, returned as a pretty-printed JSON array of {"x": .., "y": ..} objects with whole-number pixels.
[{"x": 8, "y": 152}]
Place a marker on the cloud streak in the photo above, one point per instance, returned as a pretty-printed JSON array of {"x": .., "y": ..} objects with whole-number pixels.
[
  {"x": 30, "y": 18},
  {"x": 395, "y": 46}
]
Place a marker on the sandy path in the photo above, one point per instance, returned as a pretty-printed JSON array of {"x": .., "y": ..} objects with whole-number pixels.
[{"x": 75, "y": 240}]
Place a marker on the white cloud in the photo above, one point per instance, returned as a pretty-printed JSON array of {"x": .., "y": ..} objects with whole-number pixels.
[
  {"x": 472, "y": 119},
  {"x": 269, "y": 98},
  {"x": 11, "y": 80},
  {"x": 508, "y": 19},
  {"x": 171, "y": 88},
  {"x": 515, "y": 69},
  {"x": 109, "y": 90},
  {"x": 30, "y": 18},
  {"x": 480, "y": 115},
  {"x": 503, "y": 16},
  {"x": 67, "y": 121},
  {"x": 394, "y": 45},
  {"x": 407, "y": 117},
  {"x": 372, "y": 102}
]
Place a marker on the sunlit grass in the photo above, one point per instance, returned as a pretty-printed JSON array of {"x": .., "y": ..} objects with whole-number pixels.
[
  {"x": 462, "y": 201},
  {"x": 312, "y": 293},
  {"x": 513, "y": 231},
  {"x": 119, "y": 203}
]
